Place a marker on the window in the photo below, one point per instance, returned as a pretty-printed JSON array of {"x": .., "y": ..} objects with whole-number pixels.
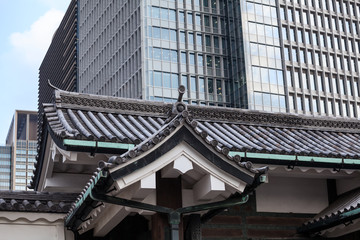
[
  {"x": 289, "y": 78},
  {"x": 294, "y": 55},
  {"x": 165, "y": 34},
  {"x": 299, "y": 103},
  {"x": 167, "y": 80},
  {"x": 320, "y": 83},
  {"x": 300, "y": 36},
  {"x": 315, "y": 106},
  {"x": 193, "y": 84},
  {"x": 182, "y": 37},
  {"x": 172, "y": 15},
  {"x": 292, "y": 34},
  {"x": 189, "y": 18},
  {"x": 310, "y": 58},
  {"x": 200, "y": 60},
  {"x": 305, "y": 18},
  {"x": 181, "y": 17},
  {"x": 207, "y": 21},
  {"x": 198, "y": 19},
  {"x": 155, "y": 13},
  {"x": 198, "y": 40},
  {"x": 157, "y": 79},
  {"x": 208, "y": 40},
  {"x": 333, "y": 23},
  {"x": 192, "y": 58},
  {"x": 173, "y": 35},
  {"x": 307, "y": 37},
  {"x": 315, "y": 39},
  {"x": 217, "y": 62},
  {"x": 215, "y": 22},
  {"x": 208, "y": 61},
  {"x": 290, "y": 15},
  {"x": 183, "y": 57},
  {"x": 216, "y": 42},
  {"x": 282, "y": 11},
  {"x": 191, "y": 38}
]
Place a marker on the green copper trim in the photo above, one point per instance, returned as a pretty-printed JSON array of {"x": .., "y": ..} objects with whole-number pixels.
[
  {"x": 350, "y": 213},
  {"x": 84, "y": 143},
  {"x": 293, "y": 158},
  {"x": 100, "y": 175},
  {"x": 328, "y": 223}
]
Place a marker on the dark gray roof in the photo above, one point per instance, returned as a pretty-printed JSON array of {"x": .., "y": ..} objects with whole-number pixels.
[
  {"x": 341, "y": 211},
  {"x": 178, "y": 127},
  {"x": 181, "y": 117},
  {"x": 90, "y": 117},
  {"x": 30, "y": 201},
  {"x": 111, "y": 119}
]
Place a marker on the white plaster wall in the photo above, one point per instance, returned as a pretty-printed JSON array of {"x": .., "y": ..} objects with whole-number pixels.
[
  {"x": 344, "y": 185},
  {"x": 33, "y": 226},
  {"x": 292, "y": 195}
]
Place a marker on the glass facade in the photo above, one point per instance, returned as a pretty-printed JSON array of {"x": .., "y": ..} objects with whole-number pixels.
[
  {"x": 297, "y": 56},
  {"x": 186, "y": 43},
  {"x": 24, "y": 163},
  {"x": 5, "y": 167},
  {"x": 205, "y": 46},
  {"x": 321, "y": 53},
  {"x": 264, "y": 72}
]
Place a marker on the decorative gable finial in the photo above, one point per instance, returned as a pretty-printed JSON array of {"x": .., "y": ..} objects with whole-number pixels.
[
  {"x": 179, "y": 107},
  {"x": 181, "y": 91},
  {"x": 52, "y": 86}
]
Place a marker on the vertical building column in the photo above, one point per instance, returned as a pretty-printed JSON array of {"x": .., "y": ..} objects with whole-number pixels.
[{"x": 168, "y": 194}]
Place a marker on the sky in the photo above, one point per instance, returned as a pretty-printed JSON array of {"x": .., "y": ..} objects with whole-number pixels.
[{"x": 26, "y": 30}]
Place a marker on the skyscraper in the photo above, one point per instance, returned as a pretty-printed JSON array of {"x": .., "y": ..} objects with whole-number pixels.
[
  {"x": 281, "y": 56},
  {"x": 22, "y": 141}
]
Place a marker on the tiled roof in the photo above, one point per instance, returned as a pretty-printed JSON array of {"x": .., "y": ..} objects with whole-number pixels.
[
  {"x": 341, "y": 211},
  {"x": 111, "y": 119},
  {"x": 90, "y": 117},
  {"x": 180, "y": 119},
  {"x": 36, "y": 202}
]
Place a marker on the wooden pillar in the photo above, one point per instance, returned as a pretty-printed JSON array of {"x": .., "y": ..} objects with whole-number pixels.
[
  {"x": 168, "y": 194},
  {"x": 332, "y": 191}
]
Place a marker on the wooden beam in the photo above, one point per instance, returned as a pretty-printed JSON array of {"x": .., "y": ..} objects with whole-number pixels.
[
  {"x": 145, "y": 187},
  {"x": 110, "y": 218},
  {"x": 168, "y": 194},
  {"x": 176, "y": 168},
  {"x": 208, "y": 188},
  {"x": 65, "y": 182}
]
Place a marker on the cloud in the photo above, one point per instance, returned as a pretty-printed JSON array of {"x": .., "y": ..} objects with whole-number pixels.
[{"x": 30, "y": 46}]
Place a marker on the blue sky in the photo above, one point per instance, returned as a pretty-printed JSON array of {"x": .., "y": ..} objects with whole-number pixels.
[{"x": 27, "y": 27}]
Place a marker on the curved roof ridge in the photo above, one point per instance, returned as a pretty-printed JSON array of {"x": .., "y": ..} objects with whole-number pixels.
[{"x": 177, "y": 118}]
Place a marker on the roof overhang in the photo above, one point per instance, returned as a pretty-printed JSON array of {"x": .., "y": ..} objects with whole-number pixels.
[
  {"x": 338, "y": 219},
  {"x": 207, "y": 176}
]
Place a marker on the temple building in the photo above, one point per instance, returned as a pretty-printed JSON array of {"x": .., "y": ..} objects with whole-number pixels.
[{"x": 151, "y": 170}]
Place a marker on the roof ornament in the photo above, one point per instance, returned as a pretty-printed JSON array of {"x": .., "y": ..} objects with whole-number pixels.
[
  {"x": 181, "y": 91},
  {"x": 179, "y": 107},
  {"x": 52, "y": 86}
]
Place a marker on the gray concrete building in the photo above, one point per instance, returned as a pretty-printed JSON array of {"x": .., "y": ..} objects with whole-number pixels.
[{"x": 281, "y": 56}]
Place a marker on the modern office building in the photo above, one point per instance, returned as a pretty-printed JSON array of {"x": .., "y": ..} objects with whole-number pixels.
[
  {"x": 5, "y": 167},
  {"x": 22, "y": 141},
  {"x": 281, "y": 56}
]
